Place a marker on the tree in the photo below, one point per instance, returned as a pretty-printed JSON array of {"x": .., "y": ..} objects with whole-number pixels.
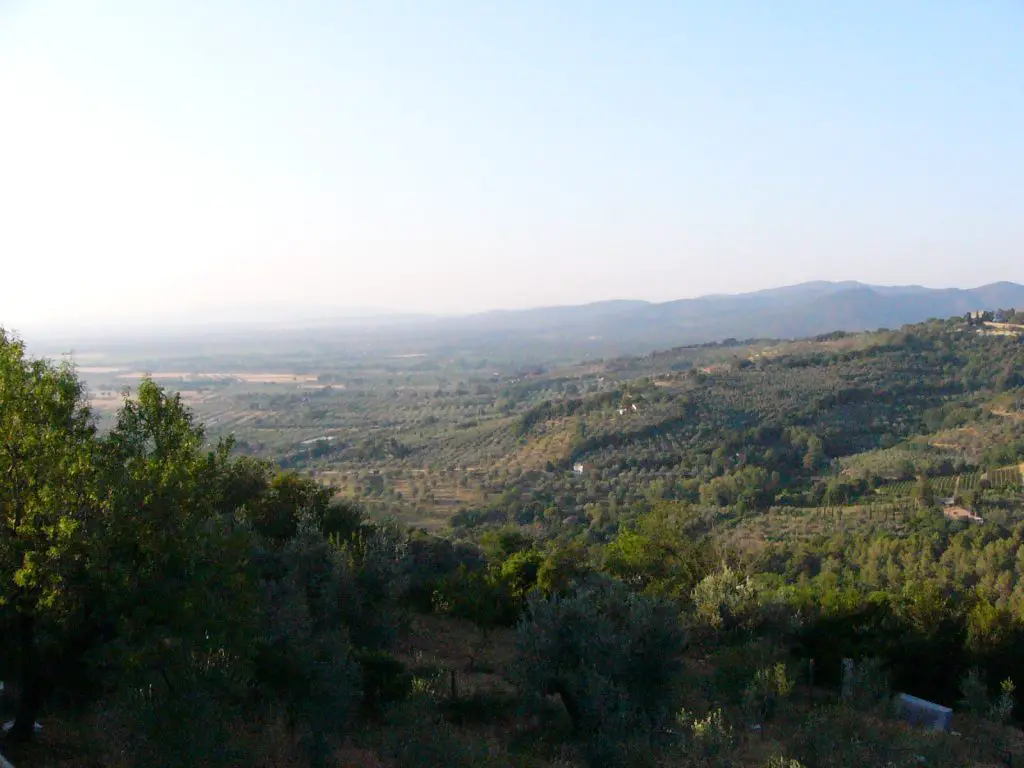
[
  {"x": 660, "y": 555},
  {"x": 520, "y": 572},
  {"x": 479, "y": 596},
  {"x": 613, "y": 657},
  {"x": 274, "y": 513},
  {"x": 168, "y": 569},
  {"x": 562, "y": 568},
  {"x": 725, "y": 599},
  {"x": 815, "y": 454},
  {"x": 924, "y": 493},
  {"x": 304, "y": 659},
  {"x": 46, "y": 501},
  {"x": 501, "y": 544}
]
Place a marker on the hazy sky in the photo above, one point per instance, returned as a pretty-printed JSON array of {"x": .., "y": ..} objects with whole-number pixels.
[{"x": 159, "y": 156}]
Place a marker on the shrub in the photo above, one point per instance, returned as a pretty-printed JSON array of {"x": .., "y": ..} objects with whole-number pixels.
[
  {"x": 418, "y": 736},
  {"x": 385, "y": 680},
  {"x": 1002, "y": 709},
  {"x": 610, "y": 654},
  {"x": 725, "y": 600},
  {"x": 871, "y": 683},
  {"x": 562, "y": 568},
  {"x": 974, "y": 693},
  {"x": 157, "y": 726},
  {"x": 770, "y": 684},
  {"x": 975, "y": 698},
  {"x": 708, "y": 740},
  {"x": 840, "y": 737},
  {"x": 737, "y": 667}
]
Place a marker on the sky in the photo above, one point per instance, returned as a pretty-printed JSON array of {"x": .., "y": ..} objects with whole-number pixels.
[{"x": 240, "y": 158}]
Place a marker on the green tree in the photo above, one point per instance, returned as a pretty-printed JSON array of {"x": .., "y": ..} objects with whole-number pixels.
[
  {"x": 479, "y": 596},
  {"x": 613, "y": 657},
  {"x": 501, "y": 544},
  {"x": 520, "y": 573},
  {"x": 662, "y": 554},
  {"x": 169, "y": 571},
  {"x": 46, "y": 506},
  {"x": 725, "y": 599},
  {"x": 274, "y": 513},
  {"x": 814, "y": 457},
  {"x": 562, "y": 568},
  {"x": 924, "y": 493},
  {"x": 304, "y": 660}
]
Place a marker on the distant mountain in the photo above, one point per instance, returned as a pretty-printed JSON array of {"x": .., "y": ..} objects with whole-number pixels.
[
  {"x": 793, "y": 311},
  {"x": 600, "y": 329}
]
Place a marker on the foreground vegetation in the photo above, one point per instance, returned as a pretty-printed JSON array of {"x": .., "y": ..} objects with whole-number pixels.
[{"x": 649, "y": 561}]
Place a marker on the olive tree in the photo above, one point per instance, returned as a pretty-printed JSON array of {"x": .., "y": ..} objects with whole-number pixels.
[{"x": 613, "y": 656}]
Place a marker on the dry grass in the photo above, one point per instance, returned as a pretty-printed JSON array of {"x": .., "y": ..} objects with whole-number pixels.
[{"x": 553, "y": 445}]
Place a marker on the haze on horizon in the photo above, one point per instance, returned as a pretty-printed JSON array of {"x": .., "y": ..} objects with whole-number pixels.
[{"x": 239, "y": 158}]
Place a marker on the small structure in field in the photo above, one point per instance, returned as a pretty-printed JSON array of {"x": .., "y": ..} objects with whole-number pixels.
[
  {"x": 927, "y": 714},
  {"x": 577, "y": 469},
  {"x": 962, "y": 513}
]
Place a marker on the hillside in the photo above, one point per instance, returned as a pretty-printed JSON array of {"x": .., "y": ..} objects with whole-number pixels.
[
  {"x": 428, "y": 437},
  {"x": 467, "y": 561}
]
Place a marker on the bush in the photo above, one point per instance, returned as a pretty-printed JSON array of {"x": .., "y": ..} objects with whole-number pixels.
[
  {"x": 562, "y": 568},
  {"x": 417, "y": 736},
  {"x": 154, "y": 725},
  {"x": 1002, "y": 708},
  {"x": 841, "y": 737},
  {"x": 871, "y": 684},
  {"x": 769, "y": 686},
  {"x": 738, "y": 666},
  {"x": 725, "y": 600},
  {"x": 611, "y": 655},
  {"x": 708, "y": 740},
  {"x": 303, "y": 660},
  {"x": 974, "y": 693},
  {"x": 385, "y": 680}
]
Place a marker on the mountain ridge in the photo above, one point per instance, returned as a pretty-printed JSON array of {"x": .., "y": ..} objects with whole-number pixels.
[{"x": 611, "y": 327}]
